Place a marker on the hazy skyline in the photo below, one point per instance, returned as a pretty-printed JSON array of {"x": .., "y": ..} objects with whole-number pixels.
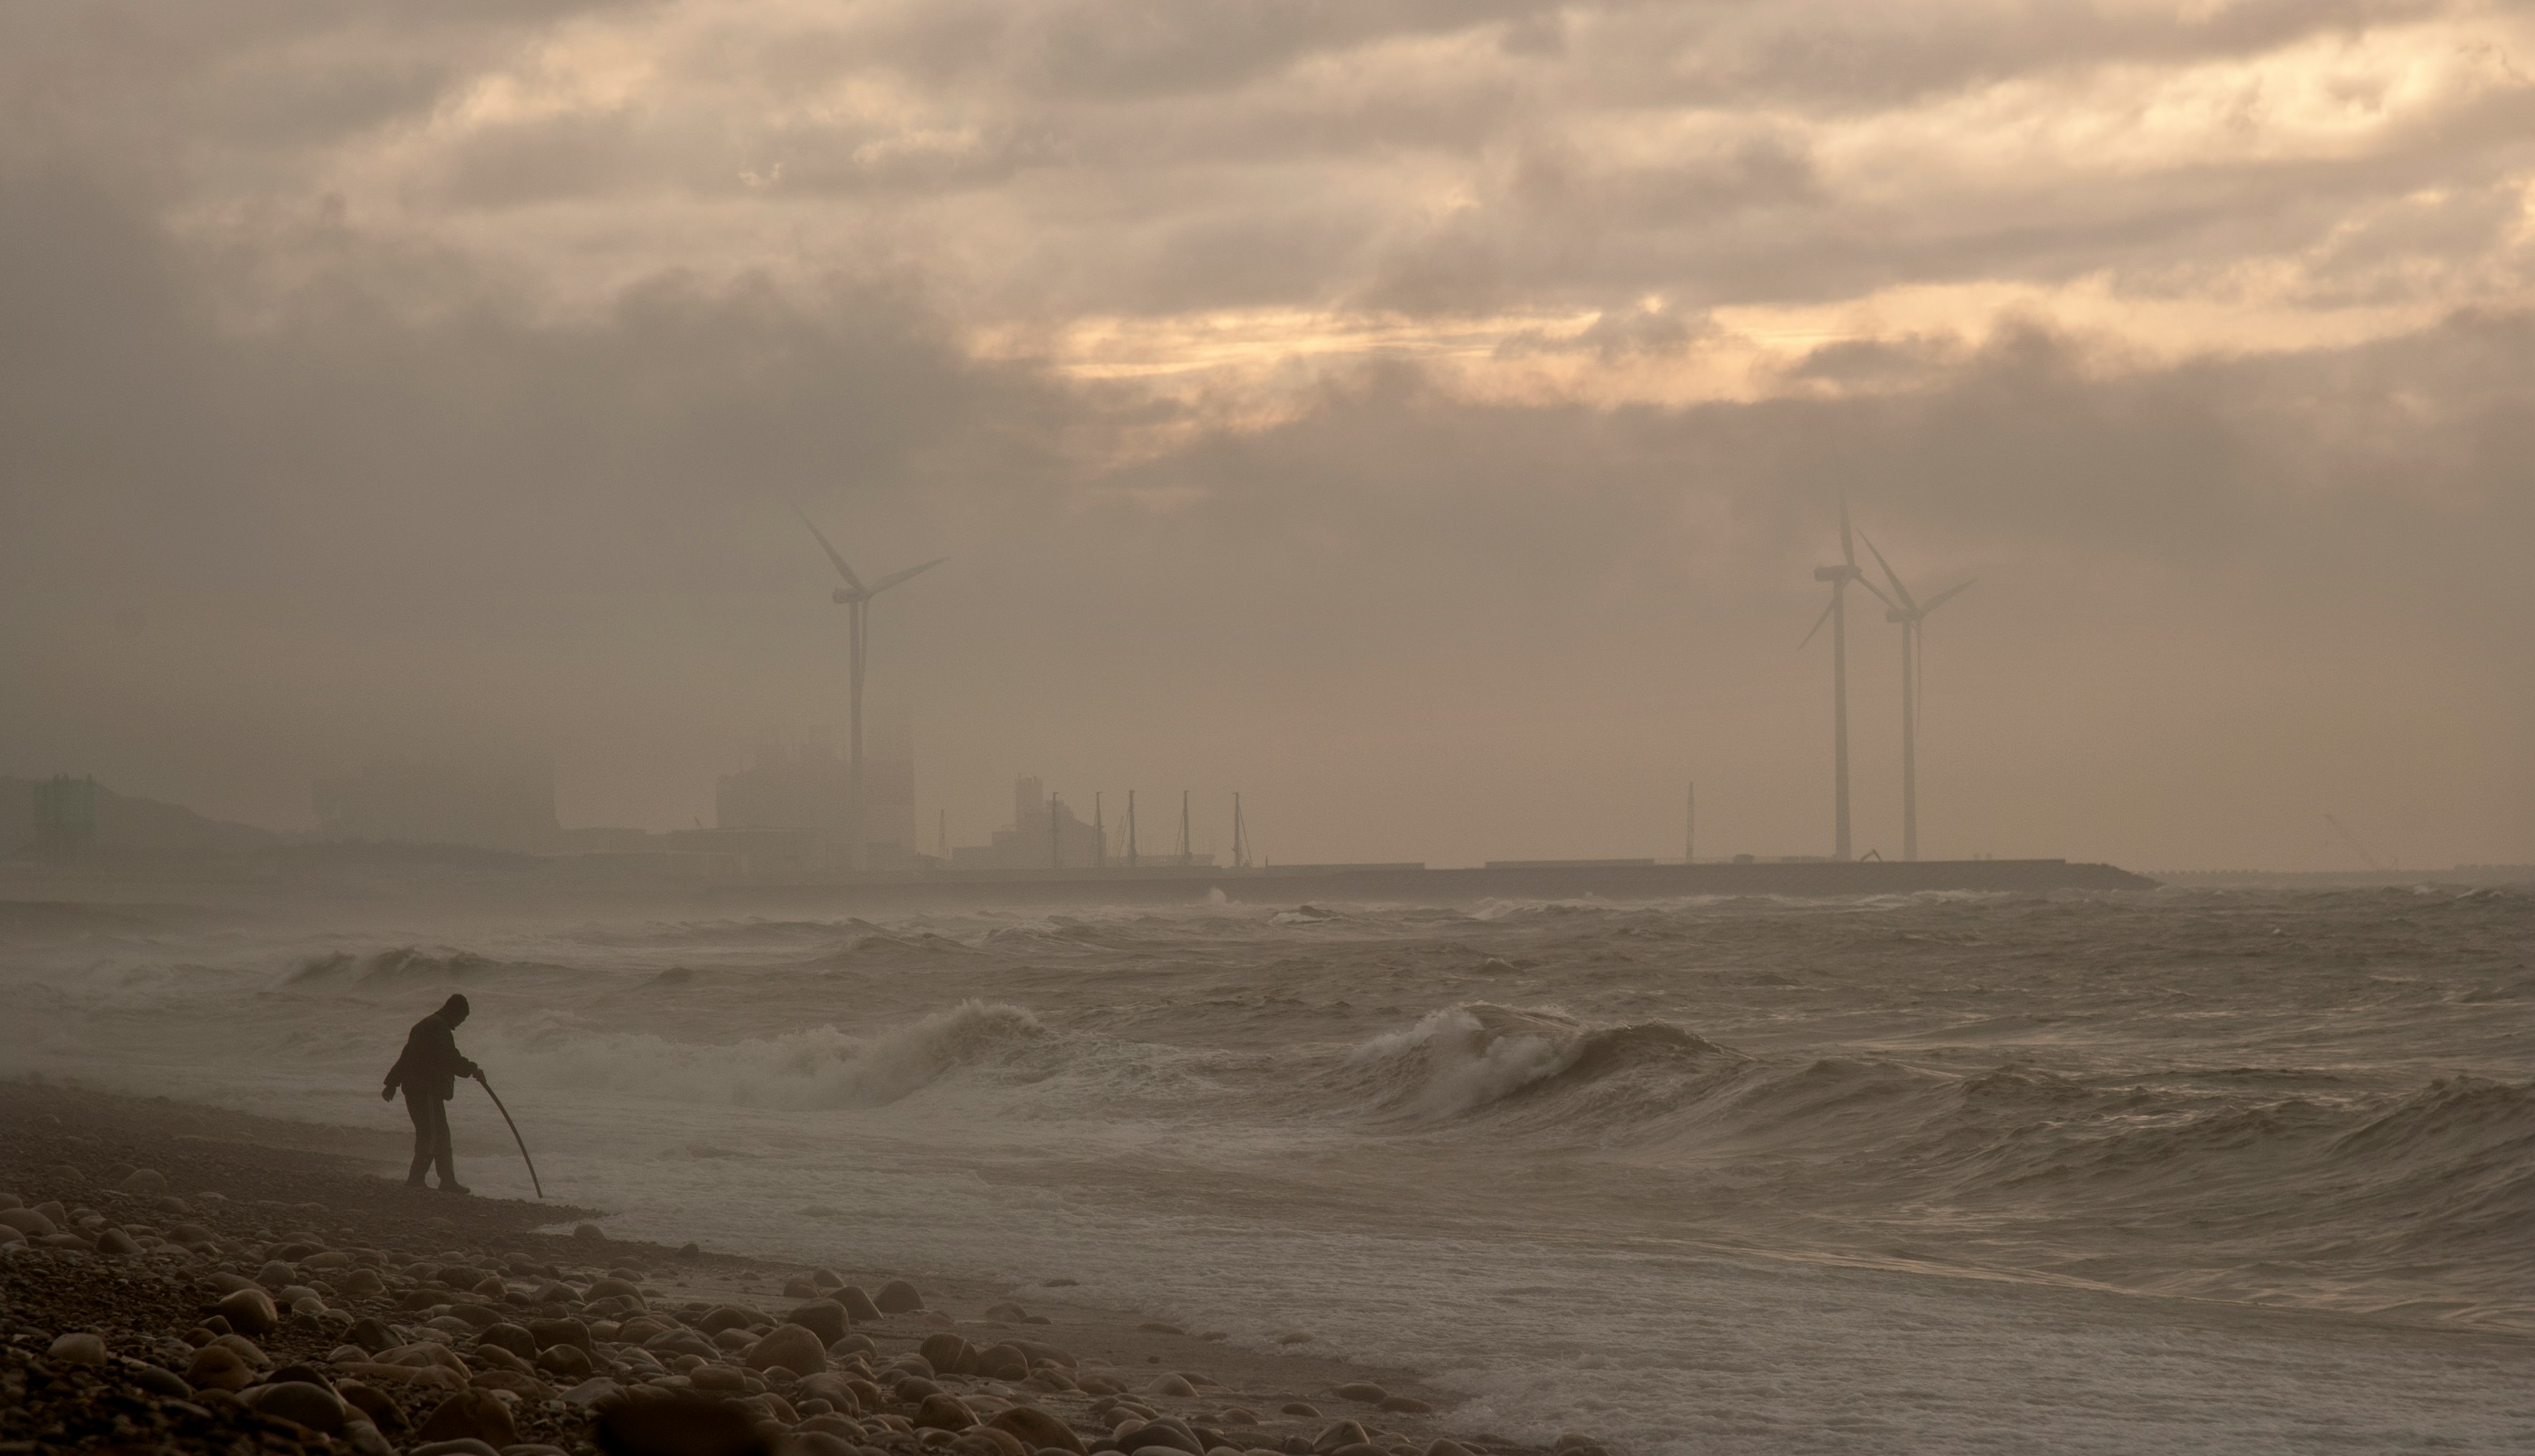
[{"x": 1423, "y": 420}]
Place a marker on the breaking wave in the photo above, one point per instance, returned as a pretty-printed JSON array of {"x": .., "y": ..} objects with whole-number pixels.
[
  {"x": 1479, "y": 1056},
  {"x": 810, "y": 1067}
]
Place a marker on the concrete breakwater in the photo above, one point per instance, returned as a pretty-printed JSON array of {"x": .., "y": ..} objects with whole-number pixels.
[{"x": 1410, "y": 883}]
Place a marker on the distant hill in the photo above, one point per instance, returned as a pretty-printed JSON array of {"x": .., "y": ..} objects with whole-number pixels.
[{"x": 131, "y": 823}]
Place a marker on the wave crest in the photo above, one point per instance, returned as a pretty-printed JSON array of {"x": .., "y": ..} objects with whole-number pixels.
[
  {"x": 812, "y": 1068},
  {"x": 1478, "y": 1054}
]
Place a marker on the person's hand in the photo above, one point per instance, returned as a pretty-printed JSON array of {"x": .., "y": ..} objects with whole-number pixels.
[{"x": 387, "y": 1094}]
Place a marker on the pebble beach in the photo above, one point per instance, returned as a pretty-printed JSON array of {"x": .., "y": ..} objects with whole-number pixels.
[{"x": 177, "y": 1278}]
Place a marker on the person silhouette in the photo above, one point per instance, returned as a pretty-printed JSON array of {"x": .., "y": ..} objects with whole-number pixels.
[{"x": 428, "y": 1073}]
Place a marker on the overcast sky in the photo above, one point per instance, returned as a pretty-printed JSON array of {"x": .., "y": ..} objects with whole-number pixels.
[{"x": 1421, "y": 417}]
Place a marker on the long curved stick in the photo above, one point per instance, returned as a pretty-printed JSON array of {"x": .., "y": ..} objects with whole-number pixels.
[{"x": 514, "y": 1137}]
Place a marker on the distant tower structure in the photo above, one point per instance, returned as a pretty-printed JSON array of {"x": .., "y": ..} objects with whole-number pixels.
[
  {"x": 1188, "y": 851},
  {"x": 65, "y": 816},
  {"x": 1131, "y": 828},
  {"x": 1240, "y": 838},
  {"x": 1099, "y": 835}
]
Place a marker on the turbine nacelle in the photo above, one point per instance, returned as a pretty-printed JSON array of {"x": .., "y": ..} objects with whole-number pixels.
[{"x": 843, "y": 599}]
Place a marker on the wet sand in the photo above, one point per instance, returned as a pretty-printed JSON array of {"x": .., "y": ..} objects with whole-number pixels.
[{"x": 215, "y": 1281}]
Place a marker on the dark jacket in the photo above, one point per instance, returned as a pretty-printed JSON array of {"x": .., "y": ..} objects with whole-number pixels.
[{"x": 430, "y": 1065}]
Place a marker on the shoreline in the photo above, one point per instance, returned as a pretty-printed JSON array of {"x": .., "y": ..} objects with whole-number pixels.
[{"x": 370, "y": 1333}]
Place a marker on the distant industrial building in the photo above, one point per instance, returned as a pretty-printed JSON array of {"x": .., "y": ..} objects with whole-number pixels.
[
  {"x": 807, "y": 790},
  {"x": 1048, "y": 833},
  {"x": 509, "y": 804},
  {"x": 1044, "y": 833}
]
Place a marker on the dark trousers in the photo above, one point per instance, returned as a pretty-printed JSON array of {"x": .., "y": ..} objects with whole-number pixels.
[{"x": 430, "y": 1139}]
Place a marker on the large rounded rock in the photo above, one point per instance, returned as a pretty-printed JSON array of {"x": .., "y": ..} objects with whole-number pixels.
[
  {"x": 1343, "y": 1433},
  {"x": 312, "y": 1406},
  {"x": 792, "y": 1348},
  {"x": 29, "y": 1222},
  {"x": 676, "y": 1425},
  {"x": 361, "y": 1284},
  {"x": 833, "y": 1388},
  {"x": 374, "y": 1404},
  {"x": 249, "y": 1312},
  {"x": 370, "y": 1334},
  {"x": 1166, "y": 1434},
  {"x": 470, "y": 1414},
  {"x": 897, "y": 1297},
  {"x": 115, "y": 1243},
  {"x": 570, "y": 1362},
  {"x": 825, "y": 1317},
  {"x": 78, "y": 1347},
  {"x": 1041, "y": 1353},
  {"x": 1036, "y": 1429},
  {"x": 551, "y": 1332},
  {"x": 217, "y": 1366},
  {"x": 947, "y": 1354},
  {"x": 1004, "y": 1361},
  {"x": 164, "y": 1384},
  {"x": 857, "y": 1304},
  {"x": 942, "y": 1412},
  {"x": 591, "y": 1391},
  {"x": 145, "y": 1182},
  {"x": 726, "y": 1318},
  {"x": 718, "y": 1377},
  {"x": 1364, "y": 1391},
  {"x": 247, "y": 1350},
  {"x": 509, "y": 1337}
]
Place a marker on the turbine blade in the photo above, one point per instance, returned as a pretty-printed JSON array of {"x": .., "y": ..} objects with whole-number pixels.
[
  {"x": 1817, "y": 623},
  {"x": 842, "y": 569},
  {"x": 1898, "y": 589},
  {"x": 1942, "y": 597},
  {"x": 894, "y": 577}
]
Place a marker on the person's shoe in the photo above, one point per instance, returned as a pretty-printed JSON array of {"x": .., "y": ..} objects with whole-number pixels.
[{"x": 453, "y": 1187}]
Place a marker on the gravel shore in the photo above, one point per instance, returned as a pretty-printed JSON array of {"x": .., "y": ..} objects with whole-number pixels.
[{"x": 175, "y": 1278}]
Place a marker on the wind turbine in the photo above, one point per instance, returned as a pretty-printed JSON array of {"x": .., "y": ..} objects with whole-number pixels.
[
  {"x": 1911, "y": 613},
  {"x": 857, "y": 599},
  {"x": 1836, "y": 614}
]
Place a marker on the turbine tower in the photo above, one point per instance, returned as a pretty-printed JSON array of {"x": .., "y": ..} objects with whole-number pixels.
[
  {"x": 1836, "y": 614},
  {"x": 1911, "y": 613},
  {"x": 857, "y": 599}
]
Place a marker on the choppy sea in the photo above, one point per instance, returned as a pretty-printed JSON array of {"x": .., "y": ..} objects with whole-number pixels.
[{"x": 2173, "y": 1170}]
